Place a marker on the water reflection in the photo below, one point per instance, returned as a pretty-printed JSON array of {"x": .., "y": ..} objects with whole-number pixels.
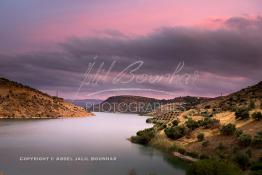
[{"x": 103, "y": 135}]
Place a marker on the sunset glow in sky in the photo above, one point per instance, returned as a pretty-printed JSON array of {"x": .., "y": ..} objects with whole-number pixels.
[
  {"x": 48, "y": 44},
  {"x": 34, "y": 24}
]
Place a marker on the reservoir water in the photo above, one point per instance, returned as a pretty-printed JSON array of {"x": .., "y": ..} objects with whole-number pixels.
[{"x": 80, "y": 146}]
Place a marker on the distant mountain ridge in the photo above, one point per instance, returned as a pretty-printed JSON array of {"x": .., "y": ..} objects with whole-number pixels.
[
  {"x": 20, "y": 101},
  {"x": 142, "y": 105},
  {"x": 246, "y": 98},
  {"x": 85, "y": 103}
]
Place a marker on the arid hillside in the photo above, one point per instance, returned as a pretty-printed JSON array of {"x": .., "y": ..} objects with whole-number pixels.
[
  {"x": 249, "y": 97},
  {"x": 19, "y": 101},
  {"x": 226, "y": 127}
]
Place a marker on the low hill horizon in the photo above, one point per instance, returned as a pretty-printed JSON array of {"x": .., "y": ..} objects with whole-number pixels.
[{"x": 20, "y": 102}]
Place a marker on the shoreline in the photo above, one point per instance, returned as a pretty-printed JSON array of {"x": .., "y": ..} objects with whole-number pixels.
[{"x": 43, "y": 118}]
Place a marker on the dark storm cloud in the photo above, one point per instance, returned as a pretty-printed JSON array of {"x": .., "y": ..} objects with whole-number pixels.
[
  {"x": 222, "y": 51},
  {"x": 229, "y": 55}
]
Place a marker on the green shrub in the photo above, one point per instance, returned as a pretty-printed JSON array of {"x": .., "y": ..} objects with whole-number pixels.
[
  {"x": 242, "y": 160},
  {"x": 200, "y": 137},
  {"x": 163, "y": 126},
  {"x": 257, "y": 116},
  {"x": 192, "y": 124},
  {"x": 143, "y": 136},
  {"x": 257, "y": 140},
  {"x": 139, "y": 139},
  {"x": 228, "y": 129},
  {"x": 238, "y": 132},
  {"x": 175, "y": 132},
  {"x": 242, "y": 114},
  {"x": 213, "y": 167},
  {"x": 244, "y": 140},
  {"x": 209, "y": 123},
  {"x": 149, "y": 120},
  {"x": 146, "y": 132}
]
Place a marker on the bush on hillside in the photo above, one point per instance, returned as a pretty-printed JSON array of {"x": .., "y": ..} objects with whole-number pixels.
[
  {"x": 242, "y": 160},
  {"x": 192, "y": 124},
  {"x": 238, "y": 132},
  {"x": 175, "y": 132},
  {"x": 200, "y": 137},
  {"x": 143, "y": 136},
  {"x": 257, "y": 116},
  {"x": 209, "y": 123},
  {"x": 244, "y": 140},
  {"x": 228, "y": 129},
  {"x": 257, "y": 140},
  {"x": 242, "y": 114},
  {"x": 213, "y": 167}
]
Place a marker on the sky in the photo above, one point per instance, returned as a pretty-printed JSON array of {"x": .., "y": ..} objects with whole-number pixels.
[{"x": 162, "y": 49}]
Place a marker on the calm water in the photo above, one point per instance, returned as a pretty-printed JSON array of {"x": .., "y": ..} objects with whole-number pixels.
[{"x": 100, "y": 136}]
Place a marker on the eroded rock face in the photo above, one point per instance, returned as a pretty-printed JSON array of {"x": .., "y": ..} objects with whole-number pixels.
[{"x": 19, "y": 101}]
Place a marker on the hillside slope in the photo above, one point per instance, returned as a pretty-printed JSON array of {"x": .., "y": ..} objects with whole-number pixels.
[
  {"x": 220, "y": 127},
  {"x": 245, "y": 98},
  {"x": 19, "y": 101}
]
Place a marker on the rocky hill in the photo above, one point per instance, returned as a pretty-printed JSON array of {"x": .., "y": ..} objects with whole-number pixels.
[{"x": 20, "y": 101}]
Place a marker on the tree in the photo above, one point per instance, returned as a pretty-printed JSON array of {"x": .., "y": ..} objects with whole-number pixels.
[
  {"x": 200, "y": 137},
  {"x": 238, "y": 132},
  {"x": 228, "y": 129},
  {"x": 192, "y": 124},
  {"x": 209, "y": 123},
  {"x": 257, "y": 140},
  {"x": 242, "y": 114},
  {"x": 244, "y": 140},
  {"x": 175, "y": 132},
  {"x": 242, "y": 160},
  {"x": 257, "y": 116},
  {"x": 143, "y": 136}
]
